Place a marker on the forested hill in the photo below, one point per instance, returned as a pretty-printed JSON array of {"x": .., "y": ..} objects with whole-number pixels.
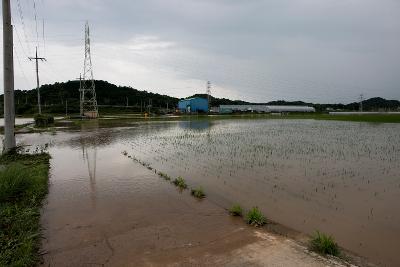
[
  {"x": 113, "y": 98},
  {"x": 54, "y": 97}
]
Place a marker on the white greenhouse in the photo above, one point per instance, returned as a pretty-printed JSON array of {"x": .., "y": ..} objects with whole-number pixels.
[{"x": 264, "y": 108}]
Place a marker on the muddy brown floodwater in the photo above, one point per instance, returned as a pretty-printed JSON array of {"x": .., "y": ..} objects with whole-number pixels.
[{"x": 341, "y": 178}]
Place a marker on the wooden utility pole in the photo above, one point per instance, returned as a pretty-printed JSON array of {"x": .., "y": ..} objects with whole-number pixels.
[
  {"x": 8, "y": 72},
  {"x": 37, "y": 78}
]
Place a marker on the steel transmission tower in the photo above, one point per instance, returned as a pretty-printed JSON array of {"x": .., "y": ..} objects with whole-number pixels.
[
  {"x": 209, "y": 94},
  {"x": 88, "y": 101}
]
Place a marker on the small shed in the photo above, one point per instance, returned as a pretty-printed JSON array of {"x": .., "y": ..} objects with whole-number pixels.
[{"x": 195, "y": 104}]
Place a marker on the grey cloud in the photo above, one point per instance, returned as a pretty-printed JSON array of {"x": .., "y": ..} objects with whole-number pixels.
[{"x": 314, "y": 50}]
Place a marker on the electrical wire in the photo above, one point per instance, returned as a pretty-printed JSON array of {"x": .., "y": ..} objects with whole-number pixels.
[{"x": 21, "y": 16}]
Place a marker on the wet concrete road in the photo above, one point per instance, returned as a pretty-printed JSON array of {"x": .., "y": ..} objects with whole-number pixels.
[{"x": 118, "y": 213}]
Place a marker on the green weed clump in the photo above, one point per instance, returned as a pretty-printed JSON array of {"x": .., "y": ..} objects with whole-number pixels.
[
  {"x": 255, "y": 217},
  {"x": 180, "y": 182},
  {"x": 164, "y": 175},
  {"x": 324, "y": 244},
  {"x": 198, "y": 192},
  {"x": 23, "y": 185},
  {"x": 236, "y": 210},
  {"x": 43, "y": 120}
]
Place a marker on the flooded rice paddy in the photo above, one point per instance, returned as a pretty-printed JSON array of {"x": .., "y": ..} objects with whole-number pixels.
[
  {"x": 18, "y": 121},
  {"x": 342, "y": 178}
]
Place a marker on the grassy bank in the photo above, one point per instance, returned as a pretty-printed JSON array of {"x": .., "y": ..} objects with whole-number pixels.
[{"x": 23, "y": 186}]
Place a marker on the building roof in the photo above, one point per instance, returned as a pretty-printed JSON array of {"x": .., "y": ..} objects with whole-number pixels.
[{"x": 197, "y": 97}]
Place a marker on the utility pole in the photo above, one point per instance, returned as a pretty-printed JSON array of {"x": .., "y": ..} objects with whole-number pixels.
[
  {"x": 127, "y": 102},
  {"x": 36, "y": 58},
  {"x": 66, "y": 108},
  {"x": 209, "y": 95},
  {"x": 8, "y": 75},
  {"x": 150, "y": 105},
  {"x": 361, "y": 100}
]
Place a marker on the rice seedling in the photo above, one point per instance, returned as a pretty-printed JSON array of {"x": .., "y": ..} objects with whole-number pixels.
[
  {"x": 165, "y": 176},
  {"x": 198, "y": 192},
  {"x": 324, "y": 244},
  {"x": 255, "y": 217},
  {"x": 180, "y": 182},
  {"x": 236, "y": 210},
  {"x": 269, "y": 152}
]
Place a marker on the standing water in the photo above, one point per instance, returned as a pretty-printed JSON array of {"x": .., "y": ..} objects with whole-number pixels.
[{"x": 341, "y": 178}]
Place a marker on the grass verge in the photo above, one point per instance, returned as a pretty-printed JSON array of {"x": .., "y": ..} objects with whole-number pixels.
[
  {"x": 324, "y": 244},
  {"x": 23, "y": 186}
]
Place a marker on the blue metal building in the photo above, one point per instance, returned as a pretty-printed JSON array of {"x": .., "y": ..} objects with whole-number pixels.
[{"x": 195, "y": 104}]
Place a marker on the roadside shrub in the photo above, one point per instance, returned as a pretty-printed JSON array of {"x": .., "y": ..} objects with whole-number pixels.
[
  {"x": 236, "y": 210},
  {"x": 43, "y": 120},
  {"x": 255, "y": 217},
  {"x": 324, "y": 244},
  {"x": 180, "y": 182},
  {"x": 198, "y": 192},
  {"x": 14, "y": 181}
]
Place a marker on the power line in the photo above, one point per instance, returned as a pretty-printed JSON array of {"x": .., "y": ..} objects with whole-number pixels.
[
  {"x": 21, "y": 16},
  {"x": 36, "y": 24},
  {"x": 44, "y": 42},
  {"x": 19, "y": 40},
  {"x": 20, "y": 66}
]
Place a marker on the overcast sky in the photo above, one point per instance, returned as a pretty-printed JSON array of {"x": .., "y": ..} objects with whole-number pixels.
[{"x": 255, "y": 50}]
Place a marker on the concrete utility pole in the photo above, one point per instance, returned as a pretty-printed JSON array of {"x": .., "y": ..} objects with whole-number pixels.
[
  {"x": 37, "y": 78},
  {"x": 361, "y": 100},
  {"x": 8, "y": 72}
]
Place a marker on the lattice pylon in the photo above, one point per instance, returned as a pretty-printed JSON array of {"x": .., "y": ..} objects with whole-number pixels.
[
  {"x": 209, "y": 94},
  {"x": 88, "y": 101}
]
